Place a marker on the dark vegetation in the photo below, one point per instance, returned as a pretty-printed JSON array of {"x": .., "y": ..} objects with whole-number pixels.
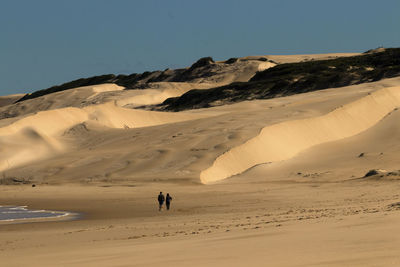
[
  {"x": 382, "y": 173},
  {"x": 295, "y": 78},
  {"x": 205, "y": 61},
  {"x": 204, "y": 67},
  {"x": 371, "y": 172},
  {"x": 122, "y": 80},
  {"x": 231, "y": 60},
  {"x": 69, "y": 85}
]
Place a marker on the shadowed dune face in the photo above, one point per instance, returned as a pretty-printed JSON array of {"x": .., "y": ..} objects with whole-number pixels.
[
  {"x": 25, "y": 146},
  {"x": 9, "y": 99},
  {"x": 283, "y": 141}
]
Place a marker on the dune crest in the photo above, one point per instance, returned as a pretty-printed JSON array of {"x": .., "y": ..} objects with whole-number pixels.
[
  {"x": 157, "y": 92},
  {"x": 284, "y": 140},
  {"x": 38, "y": 136},
  {"x": 108, "y": 114}
]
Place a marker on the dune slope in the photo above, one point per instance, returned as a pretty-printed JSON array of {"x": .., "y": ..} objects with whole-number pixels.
[
  {"x": 284, "y": 140},
  {"x": 34, "y": 138},
  {"x": 9, "y": 99}
]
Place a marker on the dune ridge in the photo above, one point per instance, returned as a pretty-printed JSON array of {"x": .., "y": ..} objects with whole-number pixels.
[
  {"x": 38, "y": 136},
  {"x": 108, "y": 114},
  {"x": 284, "y": 140}
]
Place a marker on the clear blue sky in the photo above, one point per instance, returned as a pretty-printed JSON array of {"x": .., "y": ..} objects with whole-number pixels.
[{"x": 48, "y": 42}]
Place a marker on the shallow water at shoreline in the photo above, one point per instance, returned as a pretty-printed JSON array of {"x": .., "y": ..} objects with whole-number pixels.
[{"x": 21, "y": 213}]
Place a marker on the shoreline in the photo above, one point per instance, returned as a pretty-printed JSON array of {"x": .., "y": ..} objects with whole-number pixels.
[
  {"x": 124, "y": 224},
  {"x": 58, "y": 215}
]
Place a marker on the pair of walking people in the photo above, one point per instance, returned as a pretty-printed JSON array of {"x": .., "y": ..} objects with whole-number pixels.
[{"x": 161, "y": 200}]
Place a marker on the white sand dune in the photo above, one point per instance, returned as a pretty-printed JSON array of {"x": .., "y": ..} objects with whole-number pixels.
[
  {"x": 113, "y": 116},
  {"x": 108, "y": 114},
  {"x": 284, "y": 140},
  {"x": 342, "y": 160},
  {"x": 26, "y": 146},
  {"x": 32, "y": 129},
  {"x": 35, "y": 137},
  {"x": 178, "y": 151}
]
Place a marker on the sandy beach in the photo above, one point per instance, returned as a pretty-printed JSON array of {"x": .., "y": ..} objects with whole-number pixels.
[{"x": 316, "y": 223}]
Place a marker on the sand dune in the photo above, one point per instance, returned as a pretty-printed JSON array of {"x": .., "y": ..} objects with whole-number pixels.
[
  {"x": 108, "y": 114},
  {"x": 77, "y": 97},
  {"x": 35, "y": 137},
  {"x": 177, "y": 151},
  {"x": 103, "y": 87},
  {"x": 146, "y": 93},
  {"x": 9, "y": 99},
  {"x": 283, "y": 141},
  {"x": 157, "y": 92},
  {"x": 111, "y": 115},
  {"x": 30, "y": 136},
  {"x": 347, "y": 159},
  {"x": 281, "y": 59},
  {"x": 26, "y": 146},
  {"x": 150, "y": 93}
]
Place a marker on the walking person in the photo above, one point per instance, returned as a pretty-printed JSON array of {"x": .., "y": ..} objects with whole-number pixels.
[
  {"x": 160, "y": 199},
  {"x": 168, "y": 201}
]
